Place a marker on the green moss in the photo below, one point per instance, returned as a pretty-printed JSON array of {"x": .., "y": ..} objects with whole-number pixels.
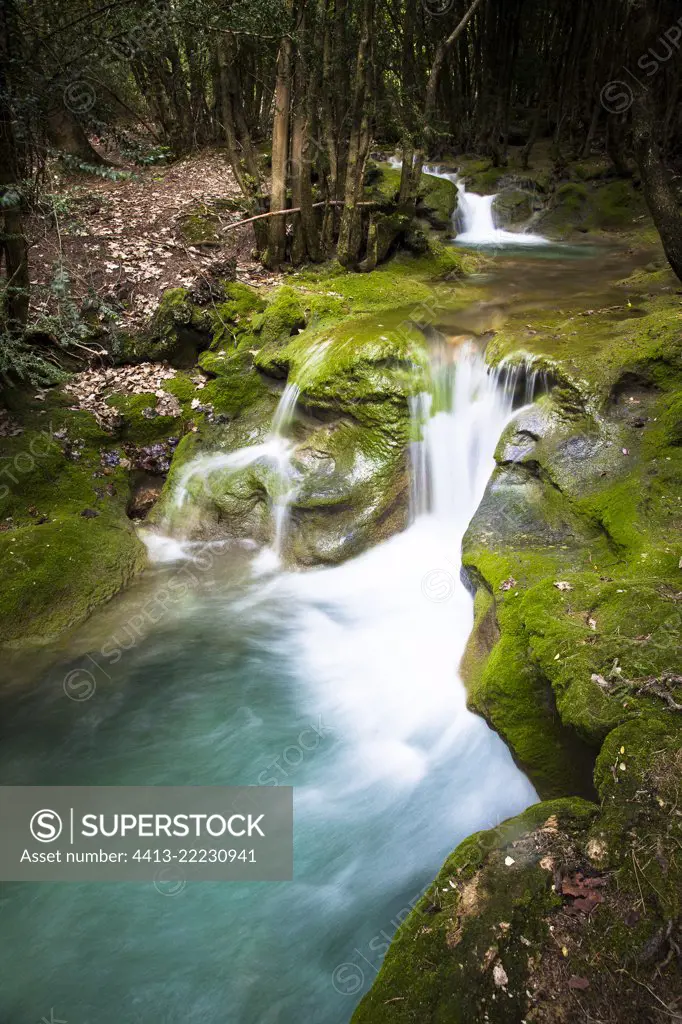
[
  {"x": 200, "y": 226},
  {"x": 56, "y": 573},
  {"x": 231, "y": 319},
  {"x": 59, "y": 563},
  {"x": 480, "y": 915},
  {"x": 595, "y": 351},
  {"x": 384, "y": 184},
  {"x": 437, "y": 201},
  {"x": 671, "y": 419},
  {"x": 283, "y": 316},
  {"x": 237, "y": 386},
  {"x": 594, "y": 205},
  {"x": 139, "y": 421},
  {"x": 182, "y": 387},
  {"x": 616, "y": 205},
  {"x": 179, "y": 329}
]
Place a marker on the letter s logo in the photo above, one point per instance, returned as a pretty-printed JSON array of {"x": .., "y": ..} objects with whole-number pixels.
[{"x": 46, "y": 826}]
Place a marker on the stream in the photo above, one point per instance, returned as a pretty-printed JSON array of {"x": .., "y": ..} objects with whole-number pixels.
[{"x": 341, "y": 682}]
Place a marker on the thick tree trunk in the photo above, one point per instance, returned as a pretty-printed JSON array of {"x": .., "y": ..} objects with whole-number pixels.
[
  {"x": 67, "y": 135},
  {"x": 659, "y": 193}
]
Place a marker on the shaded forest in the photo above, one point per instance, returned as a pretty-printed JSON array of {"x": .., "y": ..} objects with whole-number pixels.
[{"x": 296, "y": 93}]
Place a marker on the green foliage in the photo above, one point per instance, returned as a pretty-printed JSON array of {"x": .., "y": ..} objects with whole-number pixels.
[{"x": 74, "y": 163}]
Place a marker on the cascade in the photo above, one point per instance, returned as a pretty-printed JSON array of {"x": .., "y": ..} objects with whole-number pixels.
[
  {"x": 475, "y": 214},
  {"x": 275, "y": 449}
]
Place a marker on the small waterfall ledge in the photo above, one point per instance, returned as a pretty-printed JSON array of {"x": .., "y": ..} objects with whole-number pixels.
[
  {"x": 476, "y": 216},
  {"x": 456, "y": 425}
]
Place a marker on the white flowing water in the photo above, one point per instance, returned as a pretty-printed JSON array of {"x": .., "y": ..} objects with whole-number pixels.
[
  {"x": 276, "y": 449},
  {"x": 282, "y": 502},
  {"x": 380, "y": 637},
  {"x": 479, "y": 224}
]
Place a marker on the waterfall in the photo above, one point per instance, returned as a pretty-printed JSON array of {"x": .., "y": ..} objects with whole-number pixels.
[
  {"x": 380, "y": 636},
  {"x": 281, "y": 506},
  {"x": 275, "y": 449},
  {"x": 460, "y": 420},
  {"x": 475, "y": 214}
]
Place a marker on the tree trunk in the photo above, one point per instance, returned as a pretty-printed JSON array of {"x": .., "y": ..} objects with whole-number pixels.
[
  {"x": 306, "y": 239},
  {"x": 280, "y": 154},
  {"x": 442, "y": 51},
  {"x": 350, "y": 231},
  {"x": 13, "y": 245},
  {"x": 659, "y": 193},
  {"x": 67, "y": 135}
]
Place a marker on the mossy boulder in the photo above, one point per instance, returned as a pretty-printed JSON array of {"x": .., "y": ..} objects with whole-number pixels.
[
  {"x": 514, "y": 206},
  {"x": 348, "y": 459},
  {"x": 200, "y": 227},
  {"x": 437, "y": 201},
  {"x": 556, "y": 914},
  {"x": 67, "y": 544},
  {"x": 178, "y": 331},
  {"x": 594, "y": 206},
  {"x": 467, "y": 951},
  {"x": 55, "y": 574},
  {"x": 283, "y": 316}
]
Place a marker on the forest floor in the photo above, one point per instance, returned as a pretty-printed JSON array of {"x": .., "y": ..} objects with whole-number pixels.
[{"x": 117, "y": 244}]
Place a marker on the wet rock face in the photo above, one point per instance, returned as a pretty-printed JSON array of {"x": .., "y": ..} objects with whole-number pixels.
[{"x": 515, "y": 205}]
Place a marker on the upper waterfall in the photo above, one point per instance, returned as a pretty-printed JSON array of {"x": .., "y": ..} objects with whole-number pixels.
[{"x": 476, "y": 216}]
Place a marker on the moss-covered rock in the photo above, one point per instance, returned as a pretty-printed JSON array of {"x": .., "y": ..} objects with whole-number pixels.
[
  {"x": 562, "y": 912},
  {"x": 437, "y": 201},
  {"x": 594, "y": 206},
  {"x": 178, "y": 331},
  {"x": 283, "y": 316},
  {"x": 514, "y": 206},
  {"x": 467, "y": 951},
  {"x": 67, "y": 544},
  {"x": 349, "y": 440},
  {"x": 55, "y": 574},
  {"x": 436, "y": 198},
  {"x": 200, "y": 227}
]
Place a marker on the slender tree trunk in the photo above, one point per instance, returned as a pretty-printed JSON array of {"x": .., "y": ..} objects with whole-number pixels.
[
  {"x": 350, "y": 231},
  {"x": 442, "y": 51},
  {"x": 13, "y": 245},
  {"x": 306, "y": 241},
  {"x": 280, "y": 153}
]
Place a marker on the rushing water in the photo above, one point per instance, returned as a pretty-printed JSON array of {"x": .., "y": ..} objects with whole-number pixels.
[{"x": 341, "y": 682}]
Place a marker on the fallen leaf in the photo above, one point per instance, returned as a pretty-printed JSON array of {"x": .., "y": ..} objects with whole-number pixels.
[{"x": 500, "y": 976}]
